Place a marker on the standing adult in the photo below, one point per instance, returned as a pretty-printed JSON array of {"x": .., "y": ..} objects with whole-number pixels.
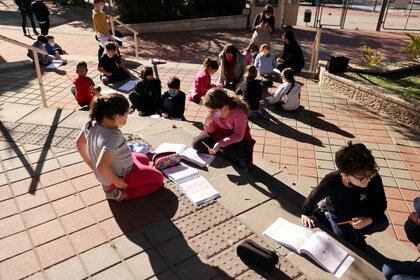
[
  {"x": 25, "y": 10},
  {"x": 263, "y": 27},
  {"x": 233, "y": 66},
  {"x": 292, "y": 54},
  {"x": 101, "y": 25}
]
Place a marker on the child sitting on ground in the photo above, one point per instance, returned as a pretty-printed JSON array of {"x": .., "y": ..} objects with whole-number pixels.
[
  {"x": 202, "y": 81},
  {"x": 173, "y": 100},
  {"x": 287, "y": 96},
  {"x": 123, "y": 174},
  {"x": 52, "y": 48},
  {"x": 146, "y": 96},
  {"x": 110, "y": 65},
  {"x": 84, "y": 88},
  {"x": 250, "y": 52},
  {"x": 251, "y": 89},
  {"x": 355, "y": 197},
  {"x": 40, "y": 43},
  {"x": 265, "y": 62}
]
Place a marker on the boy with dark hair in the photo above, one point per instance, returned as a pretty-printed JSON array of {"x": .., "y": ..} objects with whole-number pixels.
[
  {"x": 84, "y": 88},
  {"x": 355, "y": 197},
  {"x": 173, "y": 101},
  {"x": 42, "y": 15},
  {"x": 40, "y": 43},
  {"x": 146, "y": 96},
  {"x": 110, "y": 65}
]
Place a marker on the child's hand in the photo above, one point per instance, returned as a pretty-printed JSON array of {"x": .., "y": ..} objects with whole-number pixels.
[
  {"x": 360, "y": 222},
  {"x": 165, "y": 115},
  {"x": 121, "y": 184},
  {"x": 215, "y": 149},
  {"x": 308, "y": 221},
  {"x": 414, "y": 218}
]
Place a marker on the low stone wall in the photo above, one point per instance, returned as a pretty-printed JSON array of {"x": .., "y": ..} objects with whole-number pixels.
[
  {"x": 404, "y": 110},
  {"x": 227, "y": 22}
]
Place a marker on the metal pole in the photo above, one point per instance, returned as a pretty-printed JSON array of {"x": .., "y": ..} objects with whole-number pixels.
[
  {"x": 111, "y": 20},
  {"x": 381, "y": 14},
  {"x": 38, "y": 73},
  {"x": 136, "y": 46},
  {"x": 374, "y": 6}
]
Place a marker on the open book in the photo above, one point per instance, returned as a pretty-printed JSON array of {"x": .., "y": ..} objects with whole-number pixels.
[
  {"x": 194, "y": 186},
  {"x": 319, "y": 246},
  {"x": 188, "y": 154},
  {"x": 55, "y": 64}
]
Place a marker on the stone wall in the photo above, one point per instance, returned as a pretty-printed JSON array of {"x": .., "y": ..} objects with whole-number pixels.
[
  {"x": 404, "y": 110},
  {"x": 227, "y": 22}
]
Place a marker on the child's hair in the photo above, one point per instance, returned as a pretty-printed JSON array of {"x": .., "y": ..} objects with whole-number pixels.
[
  {"x": 355, "y": 159},
  {"x": 97, "y": 1},
  {"x": 81, "y": 66},
  {"x": 107, "y": 107},
  {"x": 216, "y": 98},
  {"x": 110, "y": 46},
  {"x": 251, "y": 47},
  {"x": 251, "y": 71},
  {"x": 49, "y": 37},
  {"x": 146, "y": 71},
  {"x": 264, "y": 46},
  {"x": 268, "y": 9},
  {"x": 289, "y": 75},
  {"x": 42, "y": 39},
  {"x": 290, "y": 36},
  {"x": 210, "y": 63},
  {"x": 174, "y": 82},
  {"x": 229, "y": 48}
]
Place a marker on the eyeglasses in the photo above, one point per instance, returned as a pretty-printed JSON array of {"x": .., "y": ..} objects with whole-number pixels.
[{"x": 365, "y": 178}]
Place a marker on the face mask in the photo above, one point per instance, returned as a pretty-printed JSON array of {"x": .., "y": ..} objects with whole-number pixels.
[
  {"x": 52, "y": 44},
  {"x": 218, "y": 114},
  {"x": 172, "y": 93},
  {"x": 267, "y": 16},
  {"x": 101, "y": 8},
  {"x": 229, "y": 57}
]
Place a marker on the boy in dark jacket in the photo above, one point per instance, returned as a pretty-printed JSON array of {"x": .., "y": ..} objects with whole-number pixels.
[
  {"x": 110, "y": 65},
  {"x": 146, "y": 96},
  {"x": 41, "y": 13},
  {"x": 355, "y": 197},
  {"x": 173, "y": 101}
]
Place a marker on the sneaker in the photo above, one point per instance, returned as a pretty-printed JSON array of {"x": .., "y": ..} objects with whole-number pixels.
[
  {"x": 116, "y": 194},
  {"x": 36, "y": 32},
  {"x": 104, "y": 79}
]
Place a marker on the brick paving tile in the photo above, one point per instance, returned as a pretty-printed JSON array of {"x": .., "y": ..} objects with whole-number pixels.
[
  {"x": 77, "y": 170},
  {"x": 67, "y": 205},
  {"x": 397, "y": 217},
  {"x": 119, "y": 271},
  {"x": 175, "y": 251},
  {"x": 87, "y": 238},
  {"x": 393, "y": 193},
  {"x": 114, "y": 229},
  {"x": 397, "y": 205},
  {"x": 101, "y": 211},
  {"x": 70, "y": 269},
  {"x": 38, "y": 215},
  {"x": 46, "y": 232},
  {"x": 160, "y": 231},
  {"x": 22, "y": 187},
  {"x": 99, "y": 258},
  {"x": 55, "y": 252},
  {"x": 20, "y": 266},
  {"x": 52, "y": 178},
  {"x": 92, "y": 195},
  {"x": 77, "y": 220},
  {"x": 59, "y": 190},
  {"x": 28, "y": 201},
  {"x": 14, "y": 245},
  {"x": 5, "y": 193},
  {"x": 410, "y": 195},
  {"x": 195, "y": 268},
  {"x": 400, "y": 232},
  {"x": 152, "y": 264},
  {"x": 85, "y": 182},
  {"x": 11, "y": 225}
]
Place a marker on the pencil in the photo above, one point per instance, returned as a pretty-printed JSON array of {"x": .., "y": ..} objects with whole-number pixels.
[
  {"x": 207, "y": 146},
  {"x": 343, "y": 223}
]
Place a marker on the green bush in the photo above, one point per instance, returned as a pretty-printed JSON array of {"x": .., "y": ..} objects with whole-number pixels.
[
  {"x": 413, "y": 48},
  {"x": 165, "y": 10},
  {"x": 371, "y": 58}
]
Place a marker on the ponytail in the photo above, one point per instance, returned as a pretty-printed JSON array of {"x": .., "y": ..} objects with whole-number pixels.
[
  {"x": 288, "y": 74},
  {"x": 216, "y": 98},
  {"x": 107, "y": 107},
  {"x": 210, "y": 63}
]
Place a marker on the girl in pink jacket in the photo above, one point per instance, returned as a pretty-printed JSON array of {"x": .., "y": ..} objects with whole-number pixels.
[{"x": 202, "y": 81}]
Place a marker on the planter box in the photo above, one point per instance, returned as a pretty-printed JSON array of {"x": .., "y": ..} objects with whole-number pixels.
[
  {"x": 227, "y": 22},
  {"x": 402, "y": 109}
]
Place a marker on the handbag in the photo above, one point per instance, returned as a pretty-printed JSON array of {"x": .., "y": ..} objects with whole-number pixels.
[
  {"x": 337, "y": 64},
  {"x": 253, "y": 254},
  {"x": 165, "y": 160}
]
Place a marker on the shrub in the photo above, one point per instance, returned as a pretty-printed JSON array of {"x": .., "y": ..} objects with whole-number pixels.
[
  {"x": 370, "y": 57},
  {"x": 413, "y": 48},
  {"x": 165, "y": 10}
]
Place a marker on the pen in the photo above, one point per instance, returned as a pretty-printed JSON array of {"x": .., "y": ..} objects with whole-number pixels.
[
  {"x": 207, "y": 146},
  {"x": 343, "y": 223}
]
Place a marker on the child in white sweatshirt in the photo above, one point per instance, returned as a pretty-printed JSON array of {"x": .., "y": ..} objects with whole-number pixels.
[{"x": 288, "y": 93}]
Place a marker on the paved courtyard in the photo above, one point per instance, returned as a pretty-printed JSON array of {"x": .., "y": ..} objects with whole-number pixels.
[{"x": 54, "y": 218}]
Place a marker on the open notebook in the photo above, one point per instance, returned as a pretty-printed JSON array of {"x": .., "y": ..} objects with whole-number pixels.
[
  {"x": 319, "y": 245},
  {"x": 194, "y": 186},
  {"x": 188, "y": 154}
]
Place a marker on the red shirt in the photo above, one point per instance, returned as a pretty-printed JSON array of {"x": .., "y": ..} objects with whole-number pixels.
[{"x": 83, "y": 92}]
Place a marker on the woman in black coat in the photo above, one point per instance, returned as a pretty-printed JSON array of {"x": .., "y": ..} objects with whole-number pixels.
[{"x": 292, "y": 54}]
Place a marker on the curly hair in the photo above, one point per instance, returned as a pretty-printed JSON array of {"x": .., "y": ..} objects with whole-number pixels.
[
  {"x": 216, "y": 98},
  {"x": 107, "y": 107},
  {"x": 355, "y": 159}
]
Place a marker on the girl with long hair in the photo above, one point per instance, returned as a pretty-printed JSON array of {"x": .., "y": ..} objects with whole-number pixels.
[
  {"x": 233, "y": 66},
  {"x": 202, "y": 81}
]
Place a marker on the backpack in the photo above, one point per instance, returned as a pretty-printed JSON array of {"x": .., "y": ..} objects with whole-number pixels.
[
  {"x": 337, "y": 64},
  {"x": 253, "y": 254}
]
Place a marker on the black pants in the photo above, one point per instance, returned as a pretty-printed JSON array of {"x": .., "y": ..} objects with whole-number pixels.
[
  {"x": 100, "y": 52},
  {"x": 119, "y": 75},
  {"x": 235, "y": 152},
  {"x": 45, "y": 27},
  {"x": 27, "y": 12}
]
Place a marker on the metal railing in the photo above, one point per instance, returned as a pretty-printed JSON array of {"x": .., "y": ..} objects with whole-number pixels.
[
  {"x": 35, "y": 52},
  {"x": 315, "y": 51},
  {"x": 113, "y": 20}
]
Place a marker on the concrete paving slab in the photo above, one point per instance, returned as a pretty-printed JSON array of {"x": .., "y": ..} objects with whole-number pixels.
[
  {"x": 135, "y": 125},
  {"x": 46, "y": 116},
  {"x": 14, "y": 112},
  {"x": 75, "y": 120}
]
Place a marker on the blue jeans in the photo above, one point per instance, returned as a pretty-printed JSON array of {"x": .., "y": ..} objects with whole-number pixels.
[
  {"x": 396, "y": 270},
  {"x": 355, "y": 236}
]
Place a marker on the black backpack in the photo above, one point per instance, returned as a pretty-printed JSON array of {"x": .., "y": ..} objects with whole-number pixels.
[
  {"x": 337, "y": 64},
  {"x": 253, "y": 254}
]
